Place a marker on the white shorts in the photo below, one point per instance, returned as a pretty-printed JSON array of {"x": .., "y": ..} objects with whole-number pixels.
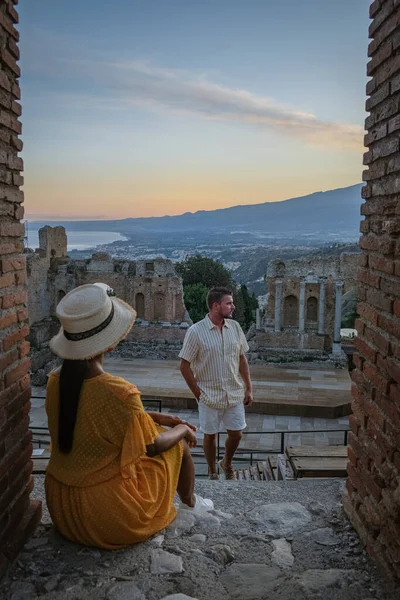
[{"x": 213, "y": 420}]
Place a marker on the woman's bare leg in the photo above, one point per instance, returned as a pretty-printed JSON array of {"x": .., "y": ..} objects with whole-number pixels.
[{"x": 186, "y": 477}]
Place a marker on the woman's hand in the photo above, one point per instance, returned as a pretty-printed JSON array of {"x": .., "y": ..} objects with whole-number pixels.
[
  {"x": 172, "y": 421},
  {"x": 170, "y": 437},
  {"x": 190, "y": 438}
]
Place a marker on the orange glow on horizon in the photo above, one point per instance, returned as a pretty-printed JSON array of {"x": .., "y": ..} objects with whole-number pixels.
[{"x": 167, "y": 194}]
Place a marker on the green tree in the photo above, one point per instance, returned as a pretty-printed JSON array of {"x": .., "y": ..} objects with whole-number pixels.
[
  {"x": 245, "y": 306},
  {"x": 195, "y": 296},
  {"x": 349, "y": 320},
  {"x": 201, "y": 273},
  {"x": 240, "y": 307},
  {"x": 207, "y": 271}
]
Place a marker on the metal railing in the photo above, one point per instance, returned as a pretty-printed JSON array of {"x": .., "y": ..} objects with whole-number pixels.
[
  {"x": 145, "y": 402},
  {"x": 282, "y": 435},
  {"x": 242, "y": 454}
]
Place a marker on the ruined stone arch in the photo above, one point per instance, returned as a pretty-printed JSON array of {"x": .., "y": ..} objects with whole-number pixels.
[
  {"x": 312, "y": 309},
  {"x": 291, "y": 311},
  {"x": 139, "y": 304},
  {"x": 159, "y": 306}
]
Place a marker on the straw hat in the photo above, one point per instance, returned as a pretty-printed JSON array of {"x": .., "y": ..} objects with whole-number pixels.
[{"x": 91, "y": 322}]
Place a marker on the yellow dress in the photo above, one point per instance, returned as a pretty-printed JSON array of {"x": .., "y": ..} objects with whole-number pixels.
[{"x": 107, "y": 492}]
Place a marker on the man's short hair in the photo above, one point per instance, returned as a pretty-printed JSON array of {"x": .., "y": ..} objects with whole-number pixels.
[{"x": 216, "y": 294}]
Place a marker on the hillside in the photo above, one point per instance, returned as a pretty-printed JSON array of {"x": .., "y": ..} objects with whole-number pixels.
[{"x": 336, "y": 212}]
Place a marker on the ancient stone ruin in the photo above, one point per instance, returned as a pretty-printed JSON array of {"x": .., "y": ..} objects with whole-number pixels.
[
  {"x": 372, "y": 499},
  {"x": 373, "y": 486},
  {"x": 304, "y": 307},
  {"x": 153, "y": 288},
  {"x": 19, "y": 514}
]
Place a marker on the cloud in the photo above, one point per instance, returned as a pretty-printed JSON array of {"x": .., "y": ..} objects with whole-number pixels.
[
  {"x": 107, "y": 84},
  {"x": 179, "y": 92}
]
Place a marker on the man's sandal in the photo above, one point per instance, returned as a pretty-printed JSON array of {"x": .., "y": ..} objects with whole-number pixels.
[{"x": 228, "y": 471}]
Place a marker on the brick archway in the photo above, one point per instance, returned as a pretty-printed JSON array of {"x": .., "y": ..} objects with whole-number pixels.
[
  {"x": 18, "y": 514},
  {"x": 372, "y": 499},
  {"x": 139, "y": 304},
  {"x": 312, "y": 309},
  {"x": 159, "y": 306},
  {"x": 291, "y": 311}
]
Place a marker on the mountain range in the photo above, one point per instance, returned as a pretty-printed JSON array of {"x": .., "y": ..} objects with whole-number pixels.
[{"x": 335, "y": 212}]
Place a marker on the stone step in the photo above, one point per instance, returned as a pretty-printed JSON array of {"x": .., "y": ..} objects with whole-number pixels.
[{"x": 285, "y": 540}]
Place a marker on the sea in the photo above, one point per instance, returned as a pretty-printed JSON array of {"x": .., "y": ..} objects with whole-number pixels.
[{"x": 80, "y": 240}]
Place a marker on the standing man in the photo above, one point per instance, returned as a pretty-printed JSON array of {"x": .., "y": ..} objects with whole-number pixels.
[{"x": 214, "y": 365}]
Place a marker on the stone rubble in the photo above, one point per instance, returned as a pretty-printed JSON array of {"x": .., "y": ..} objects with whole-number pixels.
[
  {"x": 178, "y": 597},
  {"x": 280, "y": 519},
  {"x": 220, "y": 554},
  {"x": 324, "y": 536},
  {"x": 250, "y": 581},
  {"x": 197, "y": 537},
  {"x": 316, "y": 580},
  {"x": 124, "y": 590},
  {"x": 165, "y": 562},
  {"x": 263, "y": 541},
  {"x": 282, "y": 554}
]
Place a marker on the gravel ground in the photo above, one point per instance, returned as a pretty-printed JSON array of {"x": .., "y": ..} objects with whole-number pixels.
[{"x": 264, "y": 540}]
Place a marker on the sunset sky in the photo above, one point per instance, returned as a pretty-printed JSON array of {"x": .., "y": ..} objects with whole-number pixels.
[{"x": 152, "y": 107}]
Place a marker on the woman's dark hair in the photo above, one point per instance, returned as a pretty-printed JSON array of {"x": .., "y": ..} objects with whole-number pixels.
[{"x": 72, "y": 374}]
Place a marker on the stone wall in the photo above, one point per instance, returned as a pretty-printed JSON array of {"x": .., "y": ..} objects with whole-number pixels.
[
  {"x": 290, "y": 339},
  {"x": 42, "y": 265},
  {"x": 289, "y": 322},
  {"x": 312, "y": 283},
  {"x": 143, "y": 332},
  {"x": 372, "y": 499},
  {"x": 344, "y": 266},
  {"x": 152, "y": 287},
  {"x": 18, "y": 515},
  {"x": 52, "y": 242}
]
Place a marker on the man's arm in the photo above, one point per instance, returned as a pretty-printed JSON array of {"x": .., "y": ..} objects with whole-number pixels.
[
  {"x": 245, "y": 375},
  {"x": 189, "y": 378}
]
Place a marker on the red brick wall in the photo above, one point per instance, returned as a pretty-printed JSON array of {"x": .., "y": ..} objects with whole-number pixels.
[
  {"x": 372, "y": 499},
  {"x": 18, "y": 515}
]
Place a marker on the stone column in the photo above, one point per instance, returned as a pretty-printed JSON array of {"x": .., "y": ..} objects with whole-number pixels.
[
  {"x": 321, "y": 311},
  {"x": 148, "y": 300},
  {"x": 258, "y": 318},
  {"x": 336, "y": 348},
  {"x": 278, "y": 301},
  {"x": 169, "y": 301},
  {"x": 302, "y": 299}
]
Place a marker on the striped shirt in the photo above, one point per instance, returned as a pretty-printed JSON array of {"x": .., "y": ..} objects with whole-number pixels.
[{"x": 214, "y": 359}]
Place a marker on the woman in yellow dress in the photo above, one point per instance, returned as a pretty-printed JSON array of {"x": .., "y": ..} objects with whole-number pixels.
[{"x": 114, "y": 469}]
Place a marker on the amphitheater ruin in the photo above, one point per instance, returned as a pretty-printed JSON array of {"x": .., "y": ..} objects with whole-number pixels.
[
  {"x": 303, "y": 314},
  {"x": 302, "y": 320},
  {"x": 372, "y": 496}
]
